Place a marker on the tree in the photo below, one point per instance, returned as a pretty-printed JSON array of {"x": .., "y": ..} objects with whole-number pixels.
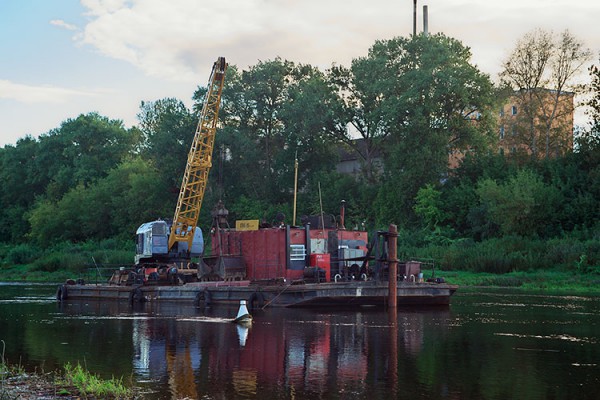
[
  {"x": 540, "y": 71},
  {"x": 112, "y": 206},
  {"x": 524, "y": 205},
  {"x": 433, "y": 103},
  {"x": 590, "y": 137},
  {"x": 80, "y": 151},
  {"x": 360, "y": 114},
  {"x": 271, "y": 112},
  {"x": 17, "y": 192},
  {"x": 167, "y": 128}
]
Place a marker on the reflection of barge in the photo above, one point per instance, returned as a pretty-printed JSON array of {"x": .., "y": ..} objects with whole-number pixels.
[{"x": 286, "y": 267}]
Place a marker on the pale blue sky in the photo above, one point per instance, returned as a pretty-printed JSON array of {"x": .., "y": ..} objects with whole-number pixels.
[{"x": 61, "y": 58}]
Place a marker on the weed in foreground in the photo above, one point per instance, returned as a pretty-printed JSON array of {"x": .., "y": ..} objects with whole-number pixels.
[{"x": 89, "y": 384}]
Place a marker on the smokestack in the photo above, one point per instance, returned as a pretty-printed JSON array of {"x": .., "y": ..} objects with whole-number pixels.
[
  {"x": 415, "y": 18},
  {"x": 425, "y": 21}
]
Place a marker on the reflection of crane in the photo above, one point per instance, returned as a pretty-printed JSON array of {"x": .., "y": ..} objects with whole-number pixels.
[{"x": 161, "y": 243}]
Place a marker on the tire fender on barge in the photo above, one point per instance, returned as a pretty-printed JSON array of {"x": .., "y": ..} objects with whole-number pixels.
[
  {"x": 136, "y": 296},
  {"x": 256, "y": 300},
  {"x": 62, "y": 293},
  {"x": 203, "y": 297}
]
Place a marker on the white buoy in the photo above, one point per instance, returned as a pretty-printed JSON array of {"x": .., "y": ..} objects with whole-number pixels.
[{"x": 243, "y": 316}]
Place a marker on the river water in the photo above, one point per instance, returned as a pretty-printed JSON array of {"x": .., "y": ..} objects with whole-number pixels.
[{"x": 487, "y": 345}]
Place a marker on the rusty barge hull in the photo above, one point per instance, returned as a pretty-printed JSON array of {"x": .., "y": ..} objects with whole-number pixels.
[{"x": 259, "y": 296}]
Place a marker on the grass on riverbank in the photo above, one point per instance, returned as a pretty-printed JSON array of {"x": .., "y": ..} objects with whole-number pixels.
[
  {"x": 88, "y": 384},
  {"x": 547, "y": 281},
  {"x": 28, "y": 273},
  {"x": 74, "y": 382}
]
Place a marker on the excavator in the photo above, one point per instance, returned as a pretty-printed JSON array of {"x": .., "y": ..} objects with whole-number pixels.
[{"x": 164, "y": 249}]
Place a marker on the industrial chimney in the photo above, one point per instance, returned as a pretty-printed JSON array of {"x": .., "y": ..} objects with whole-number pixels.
[
  {"x": 425, "y": 21},
  {"x": 415, "y": 18}
]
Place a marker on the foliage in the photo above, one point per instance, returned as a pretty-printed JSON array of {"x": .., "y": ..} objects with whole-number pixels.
[
  {"x": 23, "y": 253},
  {"x": 114, "y": 205},
  {"x": 272, "y": 113},
  {"x": 434, "y": 103},
  {"x": 541, "y": 71},
  {"x": 167, "y": 129},
  {"x": 427, "y": 206},
  {"x": 79, "y": 192},
  {"x": 513, "y": 253},
  {"x": 524, "y": 205}
]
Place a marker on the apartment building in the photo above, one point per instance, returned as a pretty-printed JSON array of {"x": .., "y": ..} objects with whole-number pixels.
[{"x": 537, "y": 122}]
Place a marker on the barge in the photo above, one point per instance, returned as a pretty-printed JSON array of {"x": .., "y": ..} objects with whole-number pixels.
[
  {"x": 278, "y": 267},
  {"x": 332, "y": 294}
]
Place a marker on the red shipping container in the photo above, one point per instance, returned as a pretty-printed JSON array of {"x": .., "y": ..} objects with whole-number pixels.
[{"x": 322, "y": 261}]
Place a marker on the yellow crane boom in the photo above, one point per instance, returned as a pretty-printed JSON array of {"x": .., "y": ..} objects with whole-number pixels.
[{"x": 199, "y": 161}]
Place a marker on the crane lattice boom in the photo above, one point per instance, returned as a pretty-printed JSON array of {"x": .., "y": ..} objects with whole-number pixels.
[{"x": 199, "y": 161}]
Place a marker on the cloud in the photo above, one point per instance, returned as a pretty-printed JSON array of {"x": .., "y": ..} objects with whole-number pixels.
[
  {"x": 172, "y": 39},
  {"x": 29, "y": 94},
  {"x": 62, "y": 24}
]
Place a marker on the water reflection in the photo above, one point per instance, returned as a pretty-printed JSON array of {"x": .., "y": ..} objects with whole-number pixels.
[
  {"x": 284, "y": 351},
  {"x": 485, "y": 346}
]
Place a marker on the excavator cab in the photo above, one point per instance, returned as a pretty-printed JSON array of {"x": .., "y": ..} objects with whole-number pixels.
[{"x": 152, "y": 244}]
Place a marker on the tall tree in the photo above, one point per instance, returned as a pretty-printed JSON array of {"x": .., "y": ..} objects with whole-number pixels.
[
  {"x": 271, "y": 112},
  {"x": 540, "y": 71},
  {"x": 433, "y": 103},
  {"x": 168, "y": 128},
  {"x": 80, "y": 151},
  {"x": 19, "y": 189},
  {"x": 360, "y": 115},
  {"x": 594, "y": 105}
]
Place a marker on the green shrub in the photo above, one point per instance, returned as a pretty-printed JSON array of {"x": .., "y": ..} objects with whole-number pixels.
[
  {"x": 512, "y": 253},
  {"x": 22, "y": 254},
  {"x": 56, "y": 261}
]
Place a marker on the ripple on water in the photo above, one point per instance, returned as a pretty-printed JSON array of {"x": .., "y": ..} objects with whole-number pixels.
[{"x": 564, "y": 337}]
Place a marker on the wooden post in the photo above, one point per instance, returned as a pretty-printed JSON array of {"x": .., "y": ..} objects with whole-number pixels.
[{"x": 392, "y": 266}]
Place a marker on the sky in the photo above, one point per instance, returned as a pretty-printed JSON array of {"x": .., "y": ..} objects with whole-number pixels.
[{"x": 63, "y": 58}]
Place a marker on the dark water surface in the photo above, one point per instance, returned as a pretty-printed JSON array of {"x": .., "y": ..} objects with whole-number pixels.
[{"x": 486, "y": 345}]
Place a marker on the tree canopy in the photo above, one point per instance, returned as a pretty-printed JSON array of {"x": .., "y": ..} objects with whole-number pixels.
[{"x": 414, "y": 103}]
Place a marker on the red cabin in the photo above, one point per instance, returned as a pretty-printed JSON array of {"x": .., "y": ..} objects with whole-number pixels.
[{"x": 290, "y": 253}]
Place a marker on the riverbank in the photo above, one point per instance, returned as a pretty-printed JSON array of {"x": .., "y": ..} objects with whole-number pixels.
[
  {"x": 74, "y": 382},
  {"x": 559, "y": 282},
  {"x": 28, "y": 273}
]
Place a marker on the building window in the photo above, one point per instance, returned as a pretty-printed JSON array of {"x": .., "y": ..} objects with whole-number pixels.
[
  {"x": 514, "y": 110},
  {"x": 501, "y": 131},
  {"x": 514, "y": 130},
  {"x": 502, "y": 112}
]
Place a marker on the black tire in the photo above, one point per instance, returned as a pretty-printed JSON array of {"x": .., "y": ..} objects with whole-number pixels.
[
  {"x": 61, "y": 293},
  {"x": 203, "y": 299},
  {"x": 136, "y": 296},
  {"x": 256, "y": 301},
  {"x": 207, "y": 298},
  {"x": 198, "y": 299}
]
